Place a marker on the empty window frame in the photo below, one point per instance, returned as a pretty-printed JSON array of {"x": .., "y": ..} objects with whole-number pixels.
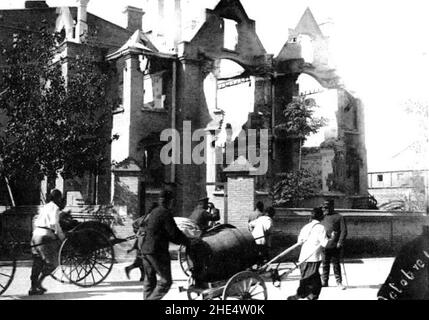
[
  {"x": 153, "y": 91},
  {"x": 230, "y": 34}
]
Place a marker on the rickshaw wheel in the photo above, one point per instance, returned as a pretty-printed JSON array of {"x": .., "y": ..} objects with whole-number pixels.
[
  {"x": 7, "y": 269},
  {"x": 245, "y": 285},
  {"x": 183, "y": 261},
  {"x": 86, "y": 258},
  {"x": 59, "y": 276}
]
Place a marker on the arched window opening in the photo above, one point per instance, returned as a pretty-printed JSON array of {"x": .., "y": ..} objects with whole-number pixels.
[{"x": 230, "y": 34}]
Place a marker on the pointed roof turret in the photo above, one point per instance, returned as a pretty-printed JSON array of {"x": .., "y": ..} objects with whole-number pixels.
[
  {"x": 308, "y": 25},
  {"x": 241, "y": 164},
  {"x": 139, "y": 43}
]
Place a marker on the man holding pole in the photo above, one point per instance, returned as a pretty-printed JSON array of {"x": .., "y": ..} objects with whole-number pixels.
[
  {"x": 312, "y": 238},
  {"x": 46, "y": 241}
]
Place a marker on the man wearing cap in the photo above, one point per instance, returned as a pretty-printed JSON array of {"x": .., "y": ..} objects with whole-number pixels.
[
  {"x": 202, "y": 217},
  {"x": 336, "y": 230},
  {"x": 156, "y": 231}
]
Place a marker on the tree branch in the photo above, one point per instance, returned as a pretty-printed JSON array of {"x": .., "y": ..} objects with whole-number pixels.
[{"x": 4, "y": 91}]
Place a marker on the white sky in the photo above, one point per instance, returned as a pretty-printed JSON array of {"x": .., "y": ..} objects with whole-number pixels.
[{"x": 381, "y": 50}]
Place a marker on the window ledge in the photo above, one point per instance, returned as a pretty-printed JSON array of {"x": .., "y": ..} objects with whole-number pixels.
[
  {"x": 118, "y": 111},
  {"x": 230, "y": 51},
  {"x": 153, "y": 110}
]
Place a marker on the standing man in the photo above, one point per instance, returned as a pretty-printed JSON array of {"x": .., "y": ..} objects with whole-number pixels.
[
  {"x": 202, "y": 217},
  {"x": 261, "y": 229},
  {"x": 46, "y": 241},
  {"x": 259, "y": 212},
  {"x": 336, "y": 230},
  {"x": 313, "y": 238},
  {"x": 156, "y": 231}
]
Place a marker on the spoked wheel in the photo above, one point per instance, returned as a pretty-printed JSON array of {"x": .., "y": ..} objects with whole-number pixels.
[
  {"x": 86, "y": 258},
  {"x": 245, "y": 285},
  {"x": 183, "y": 260},
  {"x": 7, "y": 270},
  {"x": 59, "y": 276}
]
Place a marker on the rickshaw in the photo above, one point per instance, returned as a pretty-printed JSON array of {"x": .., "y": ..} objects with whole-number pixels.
[
  {"x": 86, "y": 256},
  {"x": 226, "y": 264}
]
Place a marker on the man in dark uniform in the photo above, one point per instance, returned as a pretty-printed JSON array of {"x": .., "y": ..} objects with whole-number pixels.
[
  {"x": 202, "y": 217},
  {"x": 336, "y": 231},
  {"x": 138, "y": 261},
  {"x": 156, "y": 231}
]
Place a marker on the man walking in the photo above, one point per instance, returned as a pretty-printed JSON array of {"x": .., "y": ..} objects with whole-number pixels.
[
  {"x": 336, "y": 230},
  {"x": 138, "y": 261},
  {"x": 313, "y": 238},
  {"x": 156, "y": 231},
  {"x": 46, "y": 241}
]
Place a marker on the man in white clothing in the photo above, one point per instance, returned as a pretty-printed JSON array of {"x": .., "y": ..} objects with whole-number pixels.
[
  {"x": 261, "y": 230},
  {"x": 259, "y": 212},
  {"x": 45, "y": 242},
  {"x": 313, "y": 238}
]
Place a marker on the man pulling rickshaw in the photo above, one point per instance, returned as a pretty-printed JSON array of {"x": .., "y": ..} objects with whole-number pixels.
[{"x": 46, "y": 241}]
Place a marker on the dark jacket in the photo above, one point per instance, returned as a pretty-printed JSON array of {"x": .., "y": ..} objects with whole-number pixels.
[
  {"x": 202, "y": 217},
  {"x": 336, "y": 229},
  {"x": 159, "y": 230}
]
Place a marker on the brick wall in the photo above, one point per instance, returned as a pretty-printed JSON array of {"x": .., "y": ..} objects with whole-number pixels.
[
  {"x": 241, "y": 200},
  {"x": 370, "y": 233}
]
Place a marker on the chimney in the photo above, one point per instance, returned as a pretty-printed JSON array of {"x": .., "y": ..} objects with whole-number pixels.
[
  {"x": 82, "y": 24},
  {"x": 134, "y": 18},
  {"x": 35, "y": 4}
]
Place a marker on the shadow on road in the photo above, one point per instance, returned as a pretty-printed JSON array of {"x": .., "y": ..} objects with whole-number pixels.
[
  {"x": 121, "y": 284},
  {"x": 365, "y": 287},
  {"x": 104, "y": 289}
]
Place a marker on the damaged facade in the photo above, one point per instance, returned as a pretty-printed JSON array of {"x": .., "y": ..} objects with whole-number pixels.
[{"x": 208, "y": 67}]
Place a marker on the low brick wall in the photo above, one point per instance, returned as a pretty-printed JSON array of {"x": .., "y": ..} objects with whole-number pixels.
[{"x": 370, "y": 233}]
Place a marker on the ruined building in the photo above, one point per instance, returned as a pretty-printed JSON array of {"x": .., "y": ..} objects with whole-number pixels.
[{"x": 201, "y": 62}]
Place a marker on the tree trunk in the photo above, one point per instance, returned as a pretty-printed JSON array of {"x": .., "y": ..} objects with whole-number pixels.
[
  {"x": 95, "y": 189},
  {"x": 12, "y": 200},
  {"x": 50, "y": 184}
]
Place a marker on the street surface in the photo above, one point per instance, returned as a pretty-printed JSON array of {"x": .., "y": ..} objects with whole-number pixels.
[{"x": 364, "y": 278}]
